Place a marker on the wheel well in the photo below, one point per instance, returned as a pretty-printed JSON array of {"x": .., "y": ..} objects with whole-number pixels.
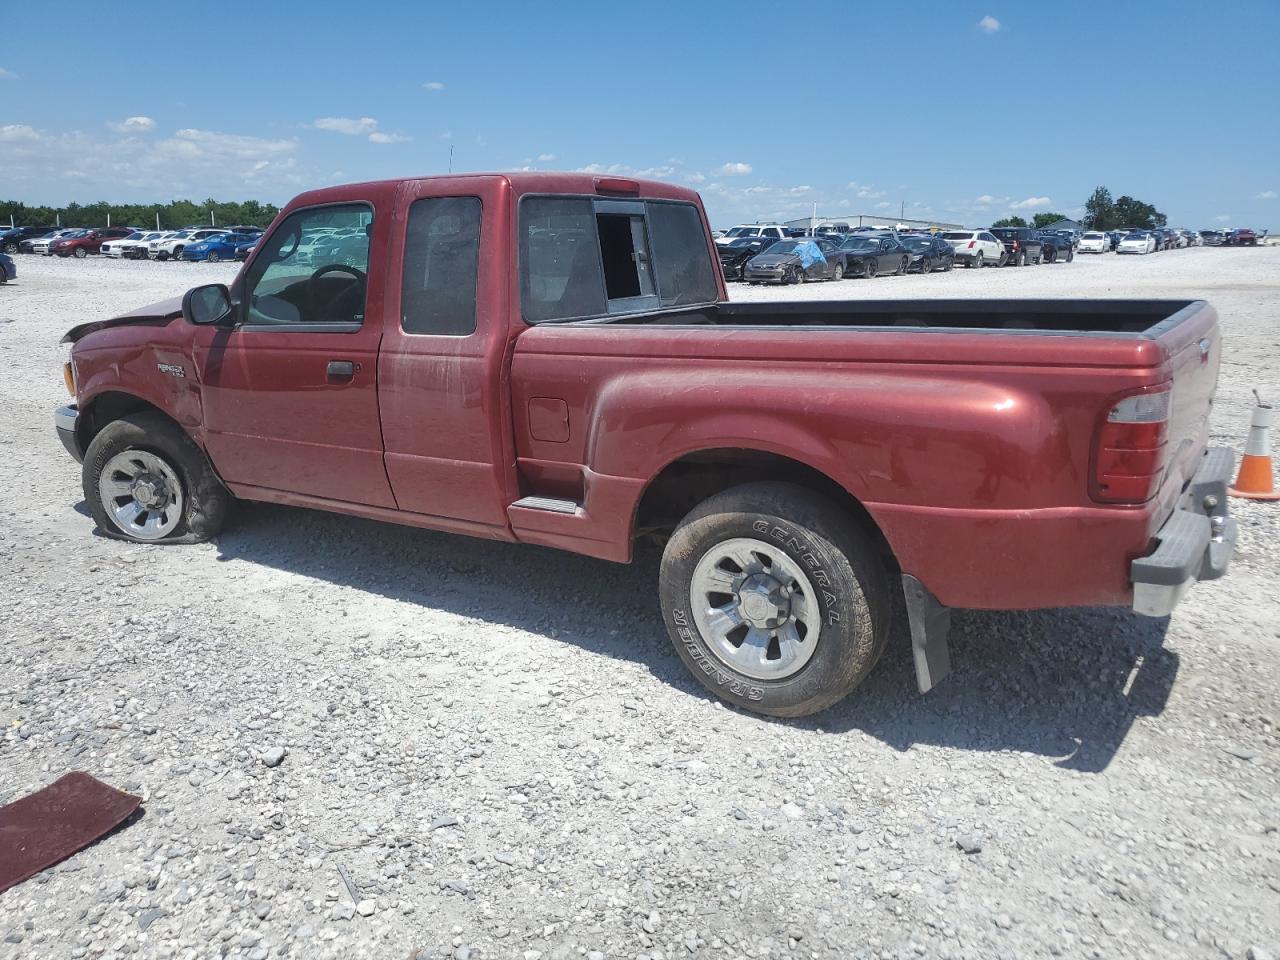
[
  {"x": 108, "y": 407},
  {"x": 686, "y": 482}
]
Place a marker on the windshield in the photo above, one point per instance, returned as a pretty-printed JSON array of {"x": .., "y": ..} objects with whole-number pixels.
[
  {"x": 782, "y": 246},
  {"x": 957, "y": 236},
  {"x": 743, "y": 232},
  {"x": 744, "y": 241},
  {"x": 916, "y": 243},
  {"x": 1005, "y": 234}
]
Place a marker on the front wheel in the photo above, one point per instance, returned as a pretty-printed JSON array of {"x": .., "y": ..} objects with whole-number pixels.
[
  {"x": 977, "y": 261},
  {"x": 10, "y": 248},
  {"x": 212, "y": 257},
  {"x": 872, "y": 268},
  {"x": 774, "y": 599},
  {"x": 838, "y": 272},
  {"x": 145, "y": 480},
  {"x": 1071, "y": 255},
  {"x": 1022, "y": 259},
  {"x": 81, "y": 253}
]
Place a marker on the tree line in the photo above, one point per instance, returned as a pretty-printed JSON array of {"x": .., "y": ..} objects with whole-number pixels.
[
  {"x": 1101, "y": 213},
  {"x": 176, "y": 213}
]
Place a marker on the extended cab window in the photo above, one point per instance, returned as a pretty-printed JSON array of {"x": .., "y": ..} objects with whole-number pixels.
[
  {"x": 308, "y": 274},
  {"x": 586, "y": 257},
  {"x": 441, "y": 256}
]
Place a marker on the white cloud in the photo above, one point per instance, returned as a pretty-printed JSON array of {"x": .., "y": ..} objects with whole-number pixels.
[
  {"x": 865, "y": 192},
  {"x": 433, "y": 85},
  {"x": 733, "y": 169},
  {"x": 694, "y": 177},
  {"x": 447, "y": 135},
  {"x": 802, "y": 188},
  {"x": 17, "y": 132},
  {"x": 1266, "y": 195},
  {"x": 211, "y": 144},
  {"x": 7, "y": 74},
  {"x": 133, "y": 125},
  {"x": 546, "y": 157},
  {"x": 989, "y": 24},
  {"x": 379, "y": 137},
  {"x": 1031, "y": 202},
  {"x": 347, "y": 125},
  {"x": 985, "y": 199}
]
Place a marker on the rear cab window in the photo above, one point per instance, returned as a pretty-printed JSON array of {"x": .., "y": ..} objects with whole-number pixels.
[{"x": 583, "y": 257}]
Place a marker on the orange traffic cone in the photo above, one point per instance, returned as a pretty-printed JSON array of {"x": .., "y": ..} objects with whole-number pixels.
[{"x": 1255, "y": 480}]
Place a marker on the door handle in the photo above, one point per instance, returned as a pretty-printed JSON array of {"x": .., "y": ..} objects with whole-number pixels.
[{"x": 341, "y": 369}]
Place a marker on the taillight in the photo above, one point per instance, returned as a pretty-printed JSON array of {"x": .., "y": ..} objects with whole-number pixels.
[
  {"x": 971, "y": 243},
  {"x": 1129, "y": 454}
]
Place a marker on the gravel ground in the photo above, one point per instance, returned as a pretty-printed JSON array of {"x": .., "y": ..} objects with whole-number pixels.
[{"x": 500, "y": 750}]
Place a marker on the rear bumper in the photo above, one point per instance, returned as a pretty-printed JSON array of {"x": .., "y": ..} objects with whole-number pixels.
[
  {"x": 64, "y": 422},
  {"x": 1195, "y": 543}
]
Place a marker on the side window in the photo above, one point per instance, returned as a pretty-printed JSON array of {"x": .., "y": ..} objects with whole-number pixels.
[
  {"x": 441, "y": 258},
  {"x": 295, "y": 280}
]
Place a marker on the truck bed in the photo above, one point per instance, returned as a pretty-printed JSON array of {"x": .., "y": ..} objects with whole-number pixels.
[{"x": 1142, "y": 318}]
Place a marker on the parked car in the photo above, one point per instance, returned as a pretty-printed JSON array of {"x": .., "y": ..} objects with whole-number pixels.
[
  {"x": 245, "y": 249},
  {"x": 1022, "y": 245},
  {"x": 88, "y": 241},
  {"x": 11, "y": 239},
  {"x": 172, "y": 247},
  {"x": 869, "y": 255},
  {"x": 140, "y": 249},
  {"x": 976, "y": 248},
  {"x": 116, "y": 246},
  {"x": 734, "y": 255},
  {"x": 928, "y": 252},
  {"x": 220, "y": 246},
  {"x": 1115, "y": 236},
  {"x": 1244, "y": 237},
  {"x": 772, "y": 231},
  {"x": 549, "y": 403},
  {"x": 1095, "y": 241},
  {"x": 41, "y": 245},
  {"x": 1213, "y": 238},
  {"x": 1140, "y": 241},
  {"x": 8, "y": 269},
  {"x": 795, "y": 261},
  {"x": 1055, "y": 248}
]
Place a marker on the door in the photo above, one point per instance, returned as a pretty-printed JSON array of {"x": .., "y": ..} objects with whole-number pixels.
[
  {"x": 441, "y": 371},
  {"x": 290, "y": 392}
]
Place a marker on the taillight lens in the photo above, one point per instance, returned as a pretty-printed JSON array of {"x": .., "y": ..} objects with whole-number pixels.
[
  {"x": 971, "y": 244},
  {"x": 1129, "y": 455}
]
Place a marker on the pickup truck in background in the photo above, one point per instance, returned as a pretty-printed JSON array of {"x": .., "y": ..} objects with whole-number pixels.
[{"x": 551, "y": 359}]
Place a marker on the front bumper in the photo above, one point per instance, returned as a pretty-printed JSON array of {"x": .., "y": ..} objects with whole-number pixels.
[
  {"x": 64, "y": 421},
  {"x": 770, "y": 275},
  {"x": 1195, "y": 543}
]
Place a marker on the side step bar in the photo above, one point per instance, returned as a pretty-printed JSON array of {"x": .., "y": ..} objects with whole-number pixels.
[{"x": 550, "y": 504}]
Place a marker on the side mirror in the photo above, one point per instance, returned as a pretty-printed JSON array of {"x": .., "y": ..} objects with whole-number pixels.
[{"x": 207, "y": 305}]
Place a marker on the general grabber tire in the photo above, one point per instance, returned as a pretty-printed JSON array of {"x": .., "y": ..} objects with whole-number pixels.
[
  {"x": 774, "y": 598},
  {"x": 145, "y": 480}
]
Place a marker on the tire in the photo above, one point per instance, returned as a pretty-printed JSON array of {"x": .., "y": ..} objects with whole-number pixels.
[
  {"x": 1071, "y": 255},
  {"x": 177, "y": 253},
  {"x": 1021, "y": 261},
  {"x": 976, "y": 262},
  {"x": 813, "y": 546},
  {"x": 947, "y": 265},
  {"x": 212, "y": 257},
  {"x": 10, "y": 248},
  {"x": 81, "y": 253},
  {"x": 4, "y": 275},
  {"x": 926, "y": 266},
  {"x": 838, "y": 273},
  {"x": 798, "y": 276},
  {"x": 165, "y": 454},
  {"x": 872, "y": 268},
  {"x": 903, "y": 266}
]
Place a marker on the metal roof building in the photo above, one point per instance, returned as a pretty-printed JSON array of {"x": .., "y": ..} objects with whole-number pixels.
[{"x": 886, "y": 221}]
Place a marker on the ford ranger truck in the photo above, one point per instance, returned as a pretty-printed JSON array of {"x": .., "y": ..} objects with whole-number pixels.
[{"x": 551, "y": 359}]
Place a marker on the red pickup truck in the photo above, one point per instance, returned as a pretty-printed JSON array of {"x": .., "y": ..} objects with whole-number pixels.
[{"x": 550, "y": 359}]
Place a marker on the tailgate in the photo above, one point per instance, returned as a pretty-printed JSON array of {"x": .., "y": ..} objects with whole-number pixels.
[{"x": 1193, "y": 344}]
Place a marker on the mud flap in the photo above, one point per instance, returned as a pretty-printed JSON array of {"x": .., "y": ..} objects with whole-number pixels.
[{"x": 930, "y": 623}]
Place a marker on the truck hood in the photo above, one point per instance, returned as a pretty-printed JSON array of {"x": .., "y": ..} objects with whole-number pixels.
[{"x": 155, "y": 314}]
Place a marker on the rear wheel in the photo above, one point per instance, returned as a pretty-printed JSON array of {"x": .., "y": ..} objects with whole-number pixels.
[
  {"x": 1022, "y": 259},
  {"x": 774, "y": 599},
  {"x": 838, "y": 272},
  {"x": 1071, "y": 255},
  {"x": 798, "y": 275},
  {"x": 977, "y": 262},
  {"x": 872, "y": 268},
  {"x": 903, "y": 266},
  {"x": 212, "y": 257},
  {"x": 926, "y": 265},
  {"x": 145, "y": 480}
]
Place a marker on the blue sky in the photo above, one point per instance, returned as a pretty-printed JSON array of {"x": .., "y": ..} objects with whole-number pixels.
[{"x": 962, "y": 111}]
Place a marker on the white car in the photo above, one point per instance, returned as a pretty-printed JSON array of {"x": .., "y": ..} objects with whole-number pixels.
[
  {"x": 171, "y": 247},
  {"x": 1137, "y": 242},
  {"x": 976, "y": 248},
  {"x": 41, "y": 246},
  {"x": 116, "y": 247},
  {"x": 1094, "y": 242},
  {"x": 771, "y": 230}
]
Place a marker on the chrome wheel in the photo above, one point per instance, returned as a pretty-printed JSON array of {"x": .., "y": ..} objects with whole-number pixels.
[
  {"x": 142, "y": 494},
  {"x": 755, "y": 608}
]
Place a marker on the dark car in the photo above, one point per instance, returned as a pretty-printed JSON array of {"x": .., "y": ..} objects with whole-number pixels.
[
  {"x": 1022, "y": 245},
  {"x": 735, "y": 254},
  {"x": 795, "y": 261},
  {"x": 928, "y": 252},
  {"x": 1244, "y": 237},
  {"x": 1054, "y": 247},
  {"x": 867, "y": 255},
  {"x": 11, "y": 238},
  {"x": 8, "y": 269},
  {"x": 246, "y": 247}
]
